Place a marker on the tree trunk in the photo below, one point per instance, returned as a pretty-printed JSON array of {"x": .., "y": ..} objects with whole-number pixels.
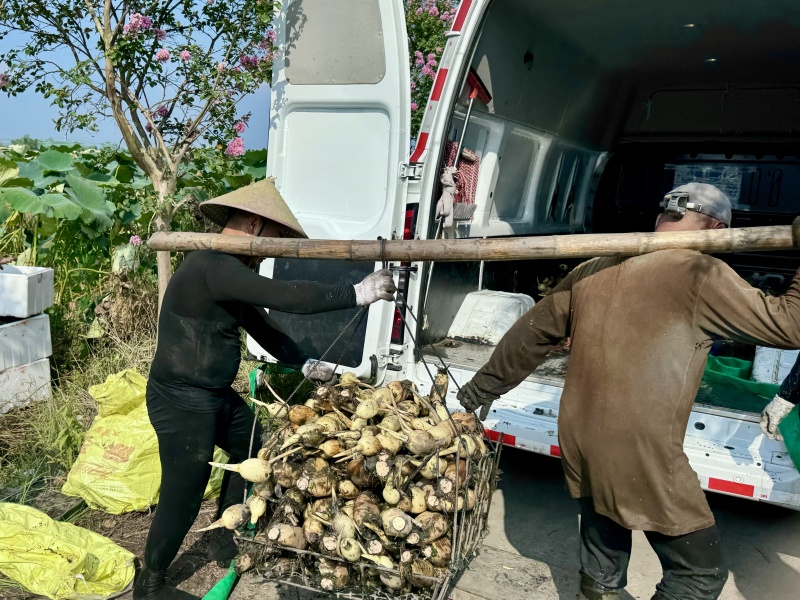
[{"x": 165, "y": 187}]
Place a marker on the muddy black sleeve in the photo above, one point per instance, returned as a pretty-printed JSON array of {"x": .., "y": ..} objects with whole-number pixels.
[
  {"x": 264, "y": 330},
  {"x": 790, "y": 388},
  {"x": 230, "y": 280}
]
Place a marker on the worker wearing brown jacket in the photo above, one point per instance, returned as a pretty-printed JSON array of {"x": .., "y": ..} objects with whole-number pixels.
[{"x": 640, "y": 330}]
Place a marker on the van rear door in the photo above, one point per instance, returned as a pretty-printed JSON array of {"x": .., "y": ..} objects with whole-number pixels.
[{"x": 339, "y": 131}]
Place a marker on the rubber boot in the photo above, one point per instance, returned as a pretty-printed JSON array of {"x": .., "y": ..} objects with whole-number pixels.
[
  {"x": 151, "y": 585},
  {"x": 591, "y": 590},
  {"x": 221, "y": 547}
]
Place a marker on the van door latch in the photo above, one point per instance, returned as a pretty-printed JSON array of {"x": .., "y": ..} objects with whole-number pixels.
[
  {"x": 391, "y": 361},
  {"x": 411, "y": 171}
]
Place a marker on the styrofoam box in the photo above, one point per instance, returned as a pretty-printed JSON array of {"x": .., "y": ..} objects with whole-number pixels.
[
  {"x": 486, "y": 315},
  {"x": 25, "y": 291},
  {"x": 25, "y": 341},
  {"x": 23, "y": 384},
  {"x": 771, "y": 365}
]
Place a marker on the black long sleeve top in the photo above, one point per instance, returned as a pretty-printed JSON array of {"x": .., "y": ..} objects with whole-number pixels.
[{"x": 209, "y": 298}]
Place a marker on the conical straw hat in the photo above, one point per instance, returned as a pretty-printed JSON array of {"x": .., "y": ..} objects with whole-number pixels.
[{"x": 261, "y": 198}]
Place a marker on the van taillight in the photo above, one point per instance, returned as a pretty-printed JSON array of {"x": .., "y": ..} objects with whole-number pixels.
[
  {"x": 397, "y": 327},
  {"x": 409, "y": 224}
]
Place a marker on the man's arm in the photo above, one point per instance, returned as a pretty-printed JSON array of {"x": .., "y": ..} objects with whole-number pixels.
[
  {"x": 4, "y": 260},
  {"x": 230, "y": 280},
  {"x": 730, "y": 308},
  {"x": 525, "y": 346},
  {"x": 264, "y": 330}
]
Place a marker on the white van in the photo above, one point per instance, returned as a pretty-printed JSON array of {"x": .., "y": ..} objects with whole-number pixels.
[{"x": 596, "y": 110}]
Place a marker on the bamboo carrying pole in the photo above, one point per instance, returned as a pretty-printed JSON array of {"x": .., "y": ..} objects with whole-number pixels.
[{"x": 743, "y": 239}]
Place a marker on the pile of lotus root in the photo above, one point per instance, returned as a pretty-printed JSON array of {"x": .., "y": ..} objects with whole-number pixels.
[{"x": 363, "y": 475}]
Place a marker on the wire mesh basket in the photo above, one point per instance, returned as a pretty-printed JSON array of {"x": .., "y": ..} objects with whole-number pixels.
[{"x": 300, "y": 568}]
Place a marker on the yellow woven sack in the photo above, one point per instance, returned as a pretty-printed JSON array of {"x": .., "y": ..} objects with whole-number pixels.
[
  {"x": 118, "y": 469},
  {"x": 60, "y": 560}
]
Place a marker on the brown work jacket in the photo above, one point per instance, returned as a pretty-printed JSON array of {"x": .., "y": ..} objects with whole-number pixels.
[{"x": 640, "y": 329}]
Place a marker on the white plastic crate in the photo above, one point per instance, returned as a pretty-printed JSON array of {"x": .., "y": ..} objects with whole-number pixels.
[
  {"x": 771, "y": 365},
  {"x": 25, "y": 291},
  {"x": 486, "y": 315},
  {"x": 24, "y": 341},
  {"x": 23, "y": 384}
]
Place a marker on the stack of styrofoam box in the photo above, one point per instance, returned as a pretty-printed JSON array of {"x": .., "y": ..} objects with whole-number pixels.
[{"x": 25, "y": 344}]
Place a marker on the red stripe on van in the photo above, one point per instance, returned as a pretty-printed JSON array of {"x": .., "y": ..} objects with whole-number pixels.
[
  {"x": 508, "y": 440},
  {"x": 730, "y": 487},
  {"x": 555, "y": 451},
  {"x": 462, "y": 15},
  {"x": 438, "y": 85},
  {"x": 422, "y": 142}
]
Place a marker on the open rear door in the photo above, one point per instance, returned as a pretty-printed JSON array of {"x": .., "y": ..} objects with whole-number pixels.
[{"x": 339, "y": 131}]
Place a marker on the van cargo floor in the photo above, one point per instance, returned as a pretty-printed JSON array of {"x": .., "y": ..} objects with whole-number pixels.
[{"x": 472, "y": 357}]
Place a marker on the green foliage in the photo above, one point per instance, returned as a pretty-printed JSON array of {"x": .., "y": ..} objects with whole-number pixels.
[
  {"x": 427, "y": 22},
  {"x": 85, "y": 211}
]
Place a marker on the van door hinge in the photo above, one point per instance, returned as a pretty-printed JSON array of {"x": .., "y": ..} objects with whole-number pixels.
[
  {"x": 411, "y": 171},
  {"x": 391, "y": 361}
]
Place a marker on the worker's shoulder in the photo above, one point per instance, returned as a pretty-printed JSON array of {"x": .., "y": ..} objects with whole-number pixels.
[{"x": 679, "y": 260}]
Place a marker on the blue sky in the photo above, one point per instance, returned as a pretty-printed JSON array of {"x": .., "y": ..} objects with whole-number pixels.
[{"x": 31, "y": 114}]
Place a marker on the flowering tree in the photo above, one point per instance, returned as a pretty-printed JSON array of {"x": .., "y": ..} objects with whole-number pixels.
[
  {"x": 427, "y": 22},
  {"x": 169, "y": 72}
]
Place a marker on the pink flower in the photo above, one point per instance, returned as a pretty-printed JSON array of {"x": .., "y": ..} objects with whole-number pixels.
[
  {"x": 239, "y": 127},
  {"x": 235, "y": 147},
  {"x": 414, "y": 106},
  {"x": 419, "y": 62},
  {"x": 148, "y": 128},
  {"x": 4, "y": 80},
  {"x": 419, "y": 11},
  {"x": 272, "y": 36},
  {"x": 221, "y": 67},
  {"x": 418, "y": 54},
  {"x": 162, "y": 111},
  {"x": 431, "y": 56},
  {"x": 185, "y": 56},
  {"x": 426, "y": 70},
  {"x": 162, "y": 55},
  {"x": 413, "y": 86},
  {"x": 433, "y": 11},
  {"x": 135, "y": 240},
  {"x": 438, "y": 50},
  {"x": 136, "y": 24},
  {"x": 159, "y": 34},
  {"x": 249, "y": 62},
  {"x": 431, "y": 62}
]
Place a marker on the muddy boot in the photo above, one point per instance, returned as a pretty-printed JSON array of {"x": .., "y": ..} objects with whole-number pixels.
[
  {"x": 151, "y": 585},
  {"x": 221, "y": 547},
  {"x": 591, "y": 590}
]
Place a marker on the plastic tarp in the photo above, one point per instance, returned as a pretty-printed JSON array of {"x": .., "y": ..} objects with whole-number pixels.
[
  {"x": 118, "y": 469},
  {"x": 60, "y": 560}
]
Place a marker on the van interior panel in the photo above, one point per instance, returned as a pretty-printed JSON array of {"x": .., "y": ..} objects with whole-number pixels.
[{"x": 597, "y": 111}]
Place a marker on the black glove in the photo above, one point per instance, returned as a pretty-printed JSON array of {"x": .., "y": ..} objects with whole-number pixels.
[{"x": 472, "y": 397}]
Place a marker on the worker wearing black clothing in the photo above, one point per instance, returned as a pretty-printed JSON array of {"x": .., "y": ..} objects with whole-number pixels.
[{"x": 189, "y": 397}]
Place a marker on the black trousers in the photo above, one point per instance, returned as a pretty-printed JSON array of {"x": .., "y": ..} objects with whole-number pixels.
[
  {"x": 693, "y": 564},
  {"x": 186, "y": 443}
]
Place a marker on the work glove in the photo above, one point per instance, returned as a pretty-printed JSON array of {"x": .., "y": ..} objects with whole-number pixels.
[
  {"x": 317, "y": 371},
  {"x": 375, "y": 286},
  {"x": 772, "y": 415},
  {"x": 472, "y": 397}
]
